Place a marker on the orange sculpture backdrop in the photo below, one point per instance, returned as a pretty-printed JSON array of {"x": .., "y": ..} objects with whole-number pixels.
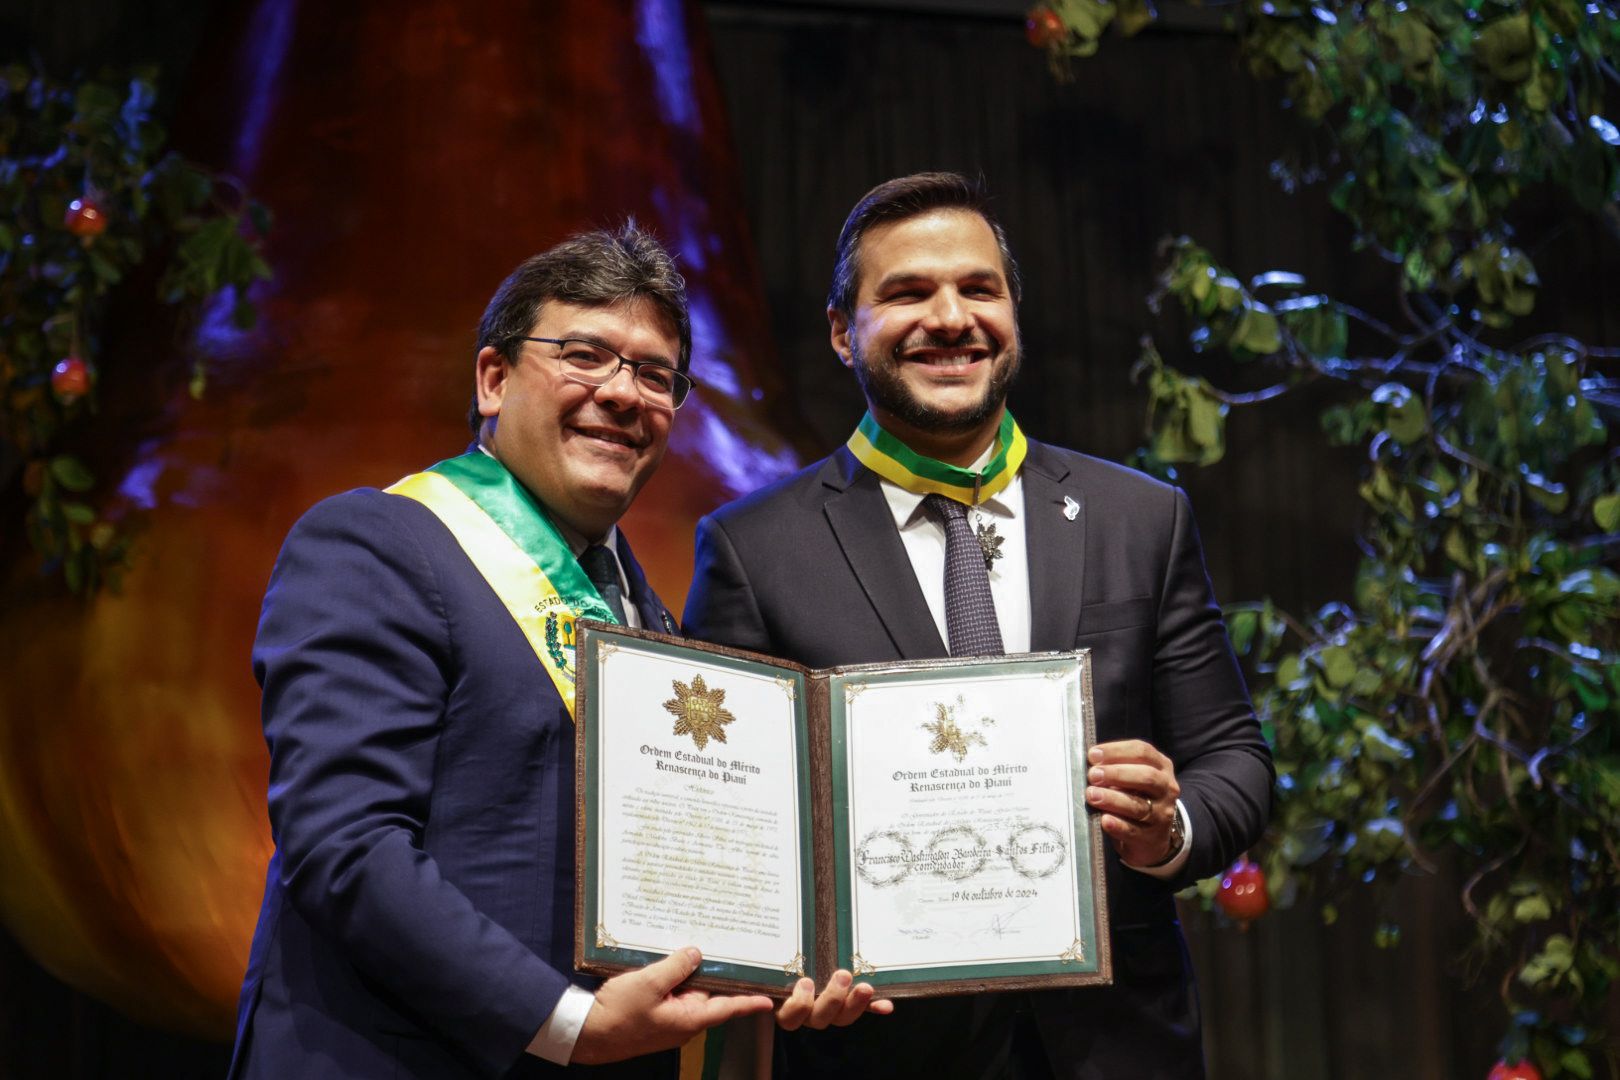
[{"x": 412, "y": 154}]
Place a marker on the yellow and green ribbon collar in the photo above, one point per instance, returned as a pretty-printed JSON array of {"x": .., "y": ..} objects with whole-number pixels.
[
  {"x": 518, "y": 550},
  {"x": 899, "y": 464}
]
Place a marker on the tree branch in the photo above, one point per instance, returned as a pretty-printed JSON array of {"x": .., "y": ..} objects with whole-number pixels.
[{"x": 1254, "y": 397}]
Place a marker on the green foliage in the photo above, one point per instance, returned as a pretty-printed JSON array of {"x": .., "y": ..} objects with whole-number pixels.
[
  {"x": 1086, "y": 21},
  {"x": 95, "y": 141},
  {"x": 1464, "y": 704}
]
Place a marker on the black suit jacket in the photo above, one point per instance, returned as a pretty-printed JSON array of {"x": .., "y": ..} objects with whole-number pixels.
[{"x": 812, "y": 568}]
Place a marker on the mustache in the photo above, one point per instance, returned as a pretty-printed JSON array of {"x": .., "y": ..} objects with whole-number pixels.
[{"x": 970, "y": 338}]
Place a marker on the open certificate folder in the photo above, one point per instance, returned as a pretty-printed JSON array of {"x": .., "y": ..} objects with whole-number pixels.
[{"x": 920, "y": 824}]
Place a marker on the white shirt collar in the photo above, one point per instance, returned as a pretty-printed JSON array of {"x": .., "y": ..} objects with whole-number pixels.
[{"x": 906, "y": 506}]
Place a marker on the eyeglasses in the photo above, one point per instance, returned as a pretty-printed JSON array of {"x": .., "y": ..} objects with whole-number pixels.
[{"x": 595, "y": 365}]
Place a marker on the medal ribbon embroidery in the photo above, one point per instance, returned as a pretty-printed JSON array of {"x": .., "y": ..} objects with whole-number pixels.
[
  {"x": 894, "y": 461},
  {"x": 519, "y": 552}
]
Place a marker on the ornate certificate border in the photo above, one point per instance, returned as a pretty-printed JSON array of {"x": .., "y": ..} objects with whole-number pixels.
[
  {"x": 598, "y": 947},
  {"x": 1085, "y": 958},
  {"x": 819, "y": 702}
]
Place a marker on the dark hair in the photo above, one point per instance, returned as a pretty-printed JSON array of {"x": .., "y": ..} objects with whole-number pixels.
[
  {"x": 906, "y": 197},
  {"x": 592, "y": 269}
]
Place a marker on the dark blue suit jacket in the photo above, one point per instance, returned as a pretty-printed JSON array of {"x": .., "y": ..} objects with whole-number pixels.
[
  {"x": 418, "y": 914},
  {"x": 813, "y": 569}
]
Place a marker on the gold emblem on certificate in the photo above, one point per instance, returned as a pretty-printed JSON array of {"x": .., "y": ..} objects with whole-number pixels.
[
  {"x": 948, "y": 734},
  {"x": 699, "y": 711}
]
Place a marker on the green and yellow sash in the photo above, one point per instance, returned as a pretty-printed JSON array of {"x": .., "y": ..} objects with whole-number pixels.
[
  {"x": 512, "y": 542},
  {"x": 896, "y": 462}
]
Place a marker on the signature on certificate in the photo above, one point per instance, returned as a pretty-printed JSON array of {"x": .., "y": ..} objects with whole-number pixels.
[{"x": 1002, "y": 924}]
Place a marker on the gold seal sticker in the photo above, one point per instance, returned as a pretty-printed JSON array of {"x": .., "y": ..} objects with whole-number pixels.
[{"x": 699, "y": 711}]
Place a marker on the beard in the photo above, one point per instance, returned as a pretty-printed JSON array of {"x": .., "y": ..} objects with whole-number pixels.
[{"x": 884, "y": 388}]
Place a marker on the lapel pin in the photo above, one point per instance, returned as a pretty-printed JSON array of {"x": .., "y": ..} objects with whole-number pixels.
[{"x": 1071, "y": 509}]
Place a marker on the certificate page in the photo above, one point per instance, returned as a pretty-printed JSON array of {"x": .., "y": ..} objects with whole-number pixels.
[
  {"x": 698, "y": 803},
  {"x": 968, "y": 849}
]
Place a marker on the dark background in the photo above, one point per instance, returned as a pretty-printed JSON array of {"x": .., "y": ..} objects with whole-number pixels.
[{"x": 1160, "y": 135}]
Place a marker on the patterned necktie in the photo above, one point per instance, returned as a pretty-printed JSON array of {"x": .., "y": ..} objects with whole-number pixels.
[
  {"x": 970, "y": 612},
  {"x": 603, "y": 570}
]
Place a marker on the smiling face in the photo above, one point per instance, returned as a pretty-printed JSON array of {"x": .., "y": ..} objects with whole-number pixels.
[
  {"x": 934, "y": 338},
  {"x": 583, "y": 451}
]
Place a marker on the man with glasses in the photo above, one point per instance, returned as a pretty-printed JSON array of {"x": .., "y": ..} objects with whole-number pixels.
[
  {"x": 940, "y": 529},
  {"x": 415, "y": 650}
]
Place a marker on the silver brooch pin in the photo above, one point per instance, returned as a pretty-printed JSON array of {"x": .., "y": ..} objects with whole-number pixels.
[
  {"x": 1071, "y": 509},
  {"x": 989, "y": 543}
]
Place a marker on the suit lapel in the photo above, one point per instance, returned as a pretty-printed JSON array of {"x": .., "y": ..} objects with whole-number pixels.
[
  {"x": 1056, "y": 546},
  {"x": 654, "y": 616},
  {"x": 861, "y": 520}
]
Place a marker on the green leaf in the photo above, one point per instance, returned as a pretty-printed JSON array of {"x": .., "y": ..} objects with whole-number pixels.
[
  {"x": 1549, "y": 494},
  {"x": 1506, "y": 48},
  {"x": 1532, "y": 909},
  {"x": 1576, "y": 1063},
  {"x": 1414, "y": 41},
  {"x": 1551, "y": 963},
  {"x": 1204, "y": 420},
  {"x": 71, "y": 473},
  {"x": 1419, "y": 273},
  {"x": 1606, "y": 512},
  {"x": 1135, "y": 16},
  {"x": 1606, "y": 781},
  {"x": 1322, "y": 331},
  {"x": 1338, "y": 665},
  {"x": 1240, "y": 627},
  {"x": 1187, "y": 420},
  {"x": 1380, "y": 745},
  {"x": 1340, "y": 425},
  {"x": 1404, "y": 417},
  {"x": 1456, "y": 548},
  {"x": 1087, "y": 18},
  {"x": 1290, "y": 672},
  {"x": 78, "y": 513},
  {"x": 1257, "y": 331}
]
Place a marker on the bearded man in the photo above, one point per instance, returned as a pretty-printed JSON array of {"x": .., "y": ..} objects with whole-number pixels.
[{"x": 940, "y": 529}]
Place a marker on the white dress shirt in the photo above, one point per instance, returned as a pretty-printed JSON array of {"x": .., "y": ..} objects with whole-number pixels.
[{"x": 924, "y": 541}]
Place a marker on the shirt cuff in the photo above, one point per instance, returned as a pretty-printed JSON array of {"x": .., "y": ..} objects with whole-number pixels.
[
  {"x": 556, "y": 1038},
  {"x": 1166, "y": 871}
]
